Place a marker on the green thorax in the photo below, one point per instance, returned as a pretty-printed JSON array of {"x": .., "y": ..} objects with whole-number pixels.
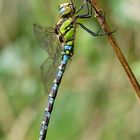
[{"x": 67, "y": 30}]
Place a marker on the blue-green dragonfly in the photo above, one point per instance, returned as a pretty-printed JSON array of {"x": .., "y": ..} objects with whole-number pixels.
[{"x": 59, "y": 44}]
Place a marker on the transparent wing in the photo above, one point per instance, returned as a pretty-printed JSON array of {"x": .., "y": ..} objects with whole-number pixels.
[
  {"x": 47, "y": 38},
  {"x": 49, "y": 70}
]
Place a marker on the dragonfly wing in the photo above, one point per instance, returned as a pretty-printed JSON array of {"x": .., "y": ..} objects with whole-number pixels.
[
  {"x": 49, "y": 69},
  {"x": 46, "y": 37},
  {"x": 48, "y": 40}
]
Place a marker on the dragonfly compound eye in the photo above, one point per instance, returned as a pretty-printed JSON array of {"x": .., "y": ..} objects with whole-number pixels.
[{"x": 66, "y": 9}]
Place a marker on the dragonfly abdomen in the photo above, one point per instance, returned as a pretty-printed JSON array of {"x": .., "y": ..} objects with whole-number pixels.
[{"x": 66, "y": 55}]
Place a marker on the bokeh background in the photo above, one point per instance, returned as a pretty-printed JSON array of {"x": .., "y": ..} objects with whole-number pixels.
[{"x": 95, "y": 100}]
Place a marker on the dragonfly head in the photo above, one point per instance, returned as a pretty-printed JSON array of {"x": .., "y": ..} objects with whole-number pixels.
[{"x": 66, "y": 10}]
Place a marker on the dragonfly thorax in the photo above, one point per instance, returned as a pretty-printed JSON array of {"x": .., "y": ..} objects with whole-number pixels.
[{"x": 66, "y": 10}]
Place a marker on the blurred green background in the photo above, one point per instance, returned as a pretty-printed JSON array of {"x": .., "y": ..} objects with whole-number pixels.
[{"x": 95, "y": 100}]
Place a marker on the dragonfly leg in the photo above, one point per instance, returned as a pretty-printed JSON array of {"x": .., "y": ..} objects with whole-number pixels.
[
  {"x": 72, "y": 2},
  {"x": 81, "y": 7},
  {"x": 89, "y": 10},
  {"x": 94, "y": 33}
]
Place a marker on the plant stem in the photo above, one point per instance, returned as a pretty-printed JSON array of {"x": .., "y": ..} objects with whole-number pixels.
[{"x": 117, "y": 50}]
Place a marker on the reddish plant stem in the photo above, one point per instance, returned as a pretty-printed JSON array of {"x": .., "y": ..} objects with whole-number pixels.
[{"x": 116, "y": 48}]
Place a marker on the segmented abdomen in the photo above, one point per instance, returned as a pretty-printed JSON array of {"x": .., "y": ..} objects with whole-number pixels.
[{"x": 66, "y": 55}]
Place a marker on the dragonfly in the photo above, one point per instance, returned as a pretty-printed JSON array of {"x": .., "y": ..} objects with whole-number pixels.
[{"x": 59, "y": 44}]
